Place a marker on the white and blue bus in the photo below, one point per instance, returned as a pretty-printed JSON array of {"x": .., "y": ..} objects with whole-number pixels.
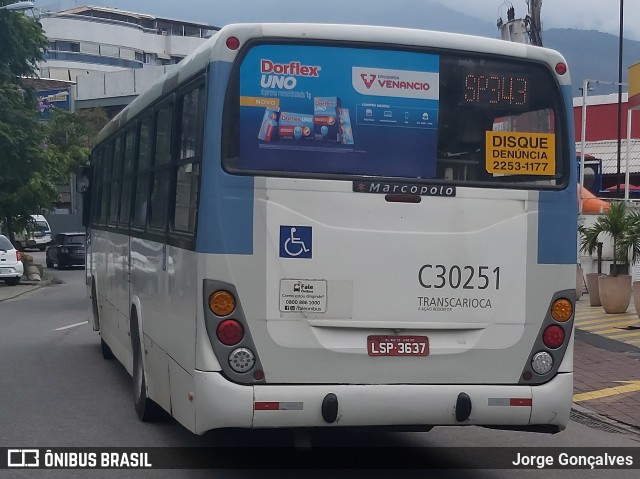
[{"x": 313, "y": 225}]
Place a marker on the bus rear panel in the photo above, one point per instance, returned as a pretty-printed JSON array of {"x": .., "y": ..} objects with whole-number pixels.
[{"x": 403, "y": 234}]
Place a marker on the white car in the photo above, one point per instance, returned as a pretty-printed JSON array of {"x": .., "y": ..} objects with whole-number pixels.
[
  {"x": 11, "y": 268},
  {"x": 39, "y": 238}
]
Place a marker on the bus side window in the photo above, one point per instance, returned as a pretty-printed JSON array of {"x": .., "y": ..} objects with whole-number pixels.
[
  {"x": 187, "y": 171},
  {"x": 143, "y": 174}
]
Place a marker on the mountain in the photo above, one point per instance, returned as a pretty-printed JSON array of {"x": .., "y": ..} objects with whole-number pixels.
[
  {"x": 589, "y": 53},
  {"x": 592, "y": 55},
  {"x": 424, "y": 14}
]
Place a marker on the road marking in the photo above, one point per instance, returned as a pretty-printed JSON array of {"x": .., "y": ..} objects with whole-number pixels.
[
  {"x": 625, "y": 334},
  {"x": 630, "y": 386},
  {"x": 71, "y": 326},
  {"x": 594, "y": 320},
  {"x": 606, "y": 320},
  {"x": 605, "y": 332},
  {"x": 609, "y": 325}
]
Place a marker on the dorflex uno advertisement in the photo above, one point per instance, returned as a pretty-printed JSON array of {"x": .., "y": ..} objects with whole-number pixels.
[{"x": 339, "y": 110}]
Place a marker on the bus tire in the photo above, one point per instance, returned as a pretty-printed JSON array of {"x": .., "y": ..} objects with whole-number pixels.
[
  {"x": 148, "y": 410},
  {"x": 106, "y": 350}
]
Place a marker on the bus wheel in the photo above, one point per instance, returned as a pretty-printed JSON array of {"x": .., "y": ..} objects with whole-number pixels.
[
  {"x": 147, "y": 410},
  {"x": 106, "y": 350}
]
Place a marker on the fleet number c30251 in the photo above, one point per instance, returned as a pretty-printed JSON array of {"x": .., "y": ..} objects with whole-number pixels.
[{"x": 459, "y": 277}]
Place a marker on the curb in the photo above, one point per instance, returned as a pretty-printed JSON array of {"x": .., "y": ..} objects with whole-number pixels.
[
  {"x": 595, "y": 416},
  {"x": 31, "y": 286}
]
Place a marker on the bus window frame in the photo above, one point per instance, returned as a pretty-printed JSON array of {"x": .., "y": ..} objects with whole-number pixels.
[
  {"x": 230, "y": 139},
  {"x": 167, "y": 235},
  {"x": 179, "y": 236}
]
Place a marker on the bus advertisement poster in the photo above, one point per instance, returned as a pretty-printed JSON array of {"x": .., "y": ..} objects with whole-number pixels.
[{"x": 343, "y": 107}]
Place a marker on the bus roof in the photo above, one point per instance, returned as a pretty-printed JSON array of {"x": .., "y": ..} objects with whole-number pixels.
[{"x": 215, "y": 50}]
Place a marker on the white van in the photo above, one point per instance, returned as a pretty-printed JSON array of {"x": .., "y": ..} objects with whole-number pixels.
[{"x": 39, "y": 238}]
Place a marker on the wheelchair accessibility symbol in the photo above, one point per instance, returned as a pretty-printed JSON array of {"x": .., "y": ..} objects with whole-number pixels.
[{"x": 295, "y": 241}]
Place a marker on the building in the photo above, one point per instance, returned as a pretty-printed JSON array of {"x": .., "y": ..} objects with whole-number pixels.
[
  {"x": 601, "y": 142},
  {"x": 113, "y": 55},
  {"x": 105, "y": 57},
  {"x": 86, "y": 39}
]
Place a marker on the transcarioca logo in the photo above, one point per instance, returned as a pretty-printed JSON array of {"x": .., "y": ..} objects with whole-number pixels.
[{"x": 292, "y": 68}]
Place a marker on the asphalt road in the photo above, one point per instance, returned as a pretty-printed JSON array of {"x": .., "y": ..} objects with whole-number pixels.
[{"x": 56, "y": 390}]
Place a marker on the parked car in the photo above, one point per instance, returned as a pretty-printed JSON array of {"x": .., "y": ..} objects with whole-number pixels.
[
  {"x": 11, "y": 267},
  {"x": 66, "y": 249},
  {"x": 38, "y": 238}
]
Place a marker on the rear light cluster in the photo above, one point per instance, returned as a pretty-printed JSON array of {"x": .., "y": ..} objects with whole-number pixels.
[
  {"x": 232, "y": 341},
  {"x": 18, "y": 256},
  {"x": 552, "y": 345}
]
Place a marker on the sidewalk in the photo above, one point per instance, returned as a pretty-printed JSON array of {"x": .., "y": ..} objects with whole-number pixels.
[
  {"x": 25, "y": 286},
  {"x": 607, "y": 363}
]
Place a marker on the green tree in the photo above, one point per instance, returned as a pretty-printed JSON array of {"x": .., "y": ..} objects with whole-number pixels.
[
  {"x": 622, "y": 226},
  {"x": 23, "y": 42},
  {"x": 22, "y": 158},
  {"x": 21, "y": 136},
  {"x": 69, "y": 140},
  {"x": 61, "y": 147},
  {"x": 35, "y": 156}
]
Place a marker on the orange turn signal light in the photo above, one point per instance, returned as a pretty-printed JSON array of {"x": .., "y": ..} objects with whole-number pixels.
[
  {"x": 222, "y": 303},
  {"x": 561, "y": 310}
]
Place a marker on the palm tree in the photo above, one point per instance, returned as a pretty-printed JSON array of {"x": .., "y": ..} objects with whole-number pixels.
[{"x": 623, "y": 226}]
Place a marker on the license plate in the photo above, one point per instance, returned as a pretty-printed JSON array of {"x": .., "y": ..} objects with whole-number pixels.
[
  {"x": 6, "y": 270},
  {"x": 398, "y": 345}
]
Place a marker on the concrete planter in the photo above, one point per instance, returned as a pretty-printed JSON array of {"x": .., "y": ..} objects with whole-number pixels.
[
  {"x": 615, "y": 293},
  {"x": 594, "y": 291},
  {"x": 579, "y": 282},
  {"x": 636, "y": 298}
]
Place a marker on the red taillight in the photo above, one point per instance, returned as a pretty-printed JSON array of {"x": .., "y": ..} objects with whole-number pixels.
[
  {"x": 561, "y": 68},
  {"x": 18, "y": 256},
  {"x": 233, "y": 43},
  {"x": 553, "y": 337},
  {"x": 230, "y": 332}
]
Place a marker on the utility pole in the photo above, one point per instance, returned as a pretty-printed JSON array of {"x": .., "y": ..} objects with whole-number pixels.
[
  {"x": 534, "y": 22},
  {"x": 523, "y": 30}
]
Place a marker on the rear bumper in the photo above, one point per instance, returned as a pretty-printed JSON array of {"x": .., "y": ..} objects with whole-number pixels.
[
  {"x": 14, "y": 270},
  {"x": 42, "y": 241},
  {"x": 221, "y": 403},
  {"x": 73, "y": 259}
]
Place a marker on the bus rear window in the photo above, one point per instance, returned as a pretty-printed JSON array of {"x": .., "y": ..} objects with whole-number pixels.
[{"x": 327, "y": 111}]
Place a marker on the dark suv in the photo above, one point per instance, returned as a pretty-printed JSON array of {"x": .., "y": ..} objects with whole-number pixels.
[{"x": 66, "y": 249}]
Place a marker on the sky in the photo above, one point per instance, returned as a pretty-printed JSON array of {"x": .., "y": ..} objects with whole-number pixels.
[{"x": 602, "y": 15}]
